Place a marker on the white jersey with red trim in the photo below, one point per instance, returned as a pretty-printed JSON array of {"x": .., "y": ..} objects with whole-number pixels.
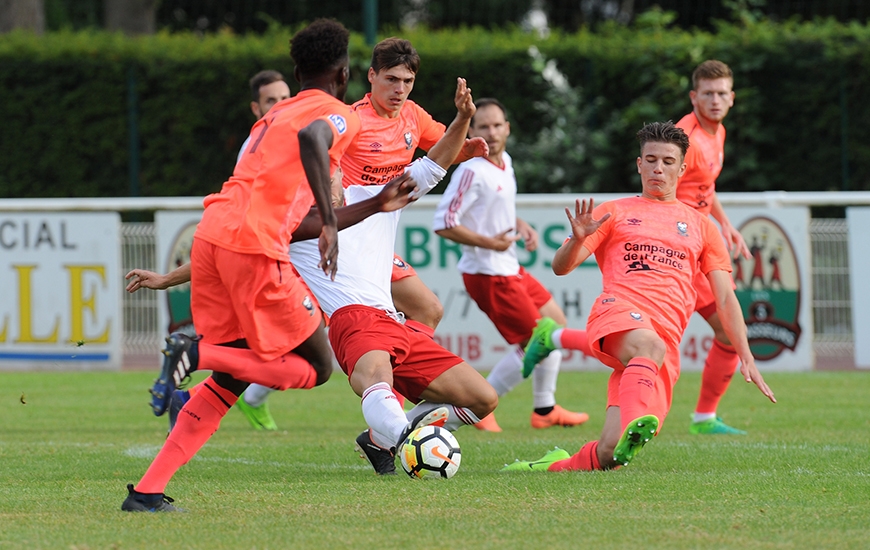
[
  {"x": 482, "y": 197},
  {"x": 365, "y": 250}
]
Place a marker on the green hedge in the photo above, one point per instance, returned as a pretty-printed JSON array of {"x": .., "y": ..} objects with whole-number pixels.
[{"x": 64, "y": 103}]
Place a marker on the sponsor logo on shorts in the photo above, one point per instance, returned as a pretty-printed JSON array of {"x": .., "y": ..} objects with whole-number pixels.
[
  {"x": 768, "y": 288},
  {"x": 683, "y": 229},
  {"x": 408, "y": 141},
  {"x": 636, "y": 316},
  {"x": 339, "y": 123}
]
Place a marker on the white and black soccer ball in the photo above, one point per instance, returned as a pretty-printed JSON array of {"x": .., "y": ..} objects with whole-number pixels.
[{"x": 431, "y": 451}]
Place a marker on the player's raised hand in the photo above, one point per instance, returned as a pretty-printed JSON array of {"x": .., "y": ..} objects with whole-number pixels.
[
  {"x": 735, "y": 242},
  {"x": 475, "y": 147},
  {"x": 751, "y": 374},
  {"x": 328, "y": 245},
  {"x": 463, "y": 100},
  {"x": 398, "y": 193},
  {"x": 582, "y": 222}
]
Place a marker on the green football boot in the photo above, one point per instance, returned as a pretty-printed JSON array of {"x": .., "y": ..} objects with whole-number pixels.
[
  {"x": 713, "y": 426},
  {"x": 259, "y": 417},
  {"x": 638, "y": 432},
  {"x": 540, "y": 465},
  {"x": 540, "y": 344}
]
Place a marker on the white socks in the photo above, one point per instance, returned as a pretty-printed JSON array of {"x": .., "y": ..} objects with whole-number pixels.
[
  {"x": 544, "y": 380},
  {"x": 700, "y": 417},
  {"x": 507, "y": 373},
  {"x": 456, "y": 417},
  {"x": 556, "y": 338},
  {"x": 383, "y": 414},
  {"x": 256, "y": 395}
]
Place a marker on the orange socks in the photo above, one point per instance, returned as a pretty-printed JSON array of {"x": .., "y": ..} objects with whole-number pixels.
[
  {"x": 285, "y": 372},
  {"x": 585, "y": 459},
  {"x": 197, "y": 421},
  {"x": 636, "y": 388},
  {"x": 719, "y": 368},
  {"x": 572, "y": 338}
]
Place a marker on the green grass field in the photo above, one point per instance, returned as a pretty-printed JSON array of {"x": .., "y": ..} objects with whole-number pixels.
[{"x": 800, "y": 479}]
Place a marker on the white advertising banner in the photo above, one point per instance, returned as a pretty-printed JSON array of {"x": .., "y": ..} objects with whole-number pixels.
[
  {"x": 773, "y": 287},
  {"x": 858, "y": 219},
  {"x": 61, "y": 281}
]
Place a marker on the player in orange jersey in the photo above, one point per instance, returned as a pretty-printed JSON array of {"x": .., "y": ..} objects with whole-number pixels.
[
  {"x": 649, "y": 249},
  {"x": 272, "y": 331},
  {"x": 712, "y": 96}
]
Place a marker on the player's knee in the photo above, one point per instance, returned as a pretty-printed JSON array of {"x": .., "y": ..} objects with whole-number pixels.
[
  {"x": 430, "y": 313},
  {"x": 486, "y": 402},
  {"x": 324, "y": 371},
  {"x": 653, "y": 348}
]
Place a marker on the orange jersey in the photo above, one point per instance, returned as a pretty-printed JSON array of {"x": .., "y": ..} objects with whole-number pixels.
[
  {"x": 649, "y": 251},
  {"x": 703, "y": 163},
  {"x": 268, "y": 194},
  {"x": 385, "y": 146}
]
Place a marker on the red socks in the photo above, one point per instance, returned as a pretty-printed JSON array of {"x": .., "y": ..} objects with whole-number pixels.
[
  {"x": 573, "y": 338},
  {"x": 719, "y": 367},
  {"x": 585, "y": 459},
  {"x": 285, "y": 372},
  {"x": 197, "y": 421},
  {"x": 637, "y": 388}
]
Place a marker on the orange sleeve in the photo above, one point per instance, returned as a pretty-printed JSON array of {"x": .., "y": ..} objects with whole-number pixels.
[
  {"x": 715, "y": 255},
  {"x": 430, "y": 129}
]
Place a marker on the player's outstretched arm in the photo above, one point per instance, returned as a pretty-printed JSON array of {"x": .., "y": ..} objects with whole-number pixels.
[
  {"x": 142, "y": 278},
  {"x": 572, "y": 252},
  {"x": 731, "y": 316},
  {"x": 734, "y": 241},
  {"x": 314, "y": 143},
  {"x": 446, "y": 150},
  {"x": 395, "y": 195},
  {"x": 462, "y": 235}
]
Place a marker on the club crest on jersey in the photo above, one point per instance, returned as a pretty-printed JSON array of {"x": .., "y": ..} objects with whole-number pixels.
[
  {"x": 398, "y": 262},
  {"x": 408, "y": 141},
  {"x": 683, "y": 229},
  {"x": 309, "y": 305},
  {"x": 339, "y": 123},
  {"x": 636, "y": 316}
]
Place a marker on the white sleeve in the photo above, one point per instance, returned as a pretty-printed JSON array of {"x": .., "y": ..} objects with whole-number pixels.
[
  {"x": 426, "y": 173},
  {"x": 460, "y": 195},
  {"x": 243, "y": 149}
]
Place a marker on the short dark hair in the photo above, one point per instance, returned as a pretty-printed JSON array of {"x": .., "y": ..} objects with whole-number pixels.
[
  {"x": 393, "y": 52},
  {"x": 263, "y": 78},
  {"x": 487, "y": 101},
  {"x": 710, "y": 70},
  {"x": 663, "y": 132},
  {"x": 319, "y": 47}
]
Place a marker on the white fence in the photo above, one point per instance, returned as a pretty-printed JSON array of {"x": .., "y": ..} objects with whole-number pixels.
[{"x": 832, "y": 332}]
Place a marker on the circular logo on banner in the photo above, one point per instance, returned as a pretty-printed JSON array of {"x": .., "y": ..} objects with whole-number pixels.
[
  {"x": 178, "y": 297},
  {"x": 768, "y": 288}
]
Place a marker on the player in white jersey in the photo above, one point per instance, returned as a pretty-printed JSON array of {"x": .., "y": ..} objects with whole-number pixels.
[
  {"x": 372, "y": 344},
  {"x": 478, "y": 210}
]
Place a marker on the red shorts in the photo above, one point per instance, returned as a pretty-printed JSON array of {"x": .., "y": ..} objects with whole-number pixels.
[
  {"x": 512, "y": 303},
  {"x": 401, "y": 269},
  {"x": 249, "y": 296},
  {"x": 611, "y": 315},
  {"x": 417, "y": 360},
  {"x": 705, "y": 303}
]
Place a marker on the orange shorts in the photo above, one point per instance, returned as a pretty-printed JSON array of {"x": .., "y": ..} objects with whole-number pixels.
[
  {"x": 705, "y": 303},
  {"x": 512, "y": 303},
  {"x": 401, "y": 269},
  {"x": 611, "y": 315},
  {"x": 417, "y": 360},
  {"x": 249, "y": 296}
]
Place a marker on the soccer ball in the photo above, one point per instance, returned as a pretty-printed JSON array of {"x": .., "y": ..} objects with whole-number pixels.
[{"x": 431, "y": 451}]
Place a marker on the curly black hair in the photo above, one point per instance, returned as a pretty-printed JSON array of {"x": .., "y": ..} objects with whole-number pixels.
[
  {"x": 319, "y": 47},
  {"x": 663, "y": 132}
]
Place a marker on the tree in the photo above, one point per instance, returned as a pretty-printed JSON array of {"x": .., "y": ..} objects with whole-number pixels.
[
  {"x": 130, "y": 16},
  {"x": 22, "y": 14}
]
